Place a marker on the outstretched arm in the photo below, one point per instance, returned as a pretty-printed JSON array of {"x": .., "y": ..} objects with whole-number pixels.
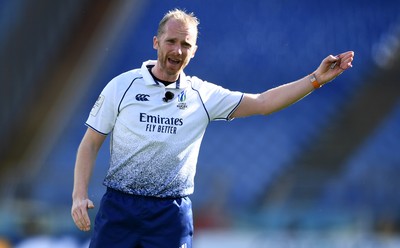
[
  {"x": 86, "y": 157},
  {"x": 282, "y": 96}
]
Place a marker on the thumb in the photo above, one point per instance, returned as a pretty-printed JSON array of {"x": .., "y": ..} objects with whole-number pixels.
[
  {"x": 90, "y": 204},
  {"x": 333, "y": 59}
]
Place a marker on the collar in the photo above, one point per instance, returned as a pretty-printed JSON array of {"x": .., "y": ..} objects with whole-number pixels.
[{"x": 148, "y": 78}]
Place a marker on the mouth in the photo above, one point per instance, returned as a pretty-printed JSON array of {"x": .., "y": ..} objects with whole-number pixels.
[{"x": 174, "y": 61}]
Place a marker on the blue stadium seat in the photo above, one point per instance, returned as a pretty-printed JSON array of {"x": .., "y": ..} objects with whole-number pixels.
[{"x": 371, "y": 176}]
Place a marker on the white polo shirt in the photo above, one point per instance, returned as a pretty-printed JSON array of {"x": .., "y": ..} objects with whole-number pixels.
[{"x": 155, "y": 143}]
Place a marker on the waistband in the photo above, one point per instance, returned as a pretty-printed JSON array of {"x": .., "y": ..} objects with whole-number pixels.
[{"x": 115, "y": 191}]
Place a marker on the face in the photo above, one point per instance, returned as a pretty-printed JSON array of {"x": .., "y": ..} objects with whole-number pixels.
[{"x": 175, "y": 47}]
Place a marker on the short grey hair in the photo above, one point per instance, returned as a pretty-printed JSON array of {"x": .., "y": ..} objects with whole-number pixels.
[{"x": 180, "y": 15}]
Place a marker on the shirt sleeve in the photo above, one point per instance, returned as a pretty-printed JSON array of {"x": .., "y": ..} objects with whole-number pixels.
[
  {"x": 104, "y": 112},
  {"x": 219, "y": 102}
]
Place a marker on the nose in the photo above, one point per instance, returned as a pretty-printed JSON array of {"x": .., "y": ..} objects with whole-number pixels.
[{"x": 178, "y": 49}]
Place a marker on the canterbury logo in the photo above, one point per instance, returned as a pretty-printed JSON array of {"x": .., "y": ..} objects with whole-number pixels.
[{"x": 142, "y": 97}]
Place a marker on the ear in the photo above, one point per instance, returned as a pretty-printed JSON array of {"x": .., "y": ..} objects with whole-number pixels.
[
  {"x": 194, "y": 51},
  {"x": 155, "y": 42}
]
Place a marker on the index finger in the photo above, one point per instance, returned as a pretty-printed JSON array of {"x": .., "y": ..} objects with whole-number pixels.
[
  {"x": 346, "y": 60},
  {"x": 346, "y": 55}
]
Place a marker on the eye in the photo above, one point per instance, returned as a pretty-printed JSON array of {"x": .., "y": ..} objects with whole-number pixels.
[{"x": 186, "y": 45}]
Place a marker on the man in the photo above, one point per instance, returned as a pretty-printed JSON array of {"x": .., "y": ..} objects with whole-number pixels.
[{"x": 157, "y": 117}]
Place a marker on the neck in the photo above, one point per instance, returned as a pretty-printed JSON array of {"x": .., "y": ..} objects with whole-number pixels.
[
  {"x": 165, "y": 82},
  {"x": 163, "y": 76}
]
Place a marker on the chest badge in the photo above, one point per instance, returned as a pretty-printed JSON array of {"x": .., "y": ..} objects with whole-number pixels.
[{"x": 182, "y": 100}]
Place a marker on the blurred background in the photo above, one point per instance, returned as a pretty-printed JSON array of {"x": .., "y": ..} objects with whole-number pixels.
[{"x": 321, "y": 173}]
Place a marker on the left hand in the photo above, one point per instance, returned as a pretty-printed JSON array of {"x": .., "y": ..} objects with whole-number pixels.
[{"x": 325, "y": 73}]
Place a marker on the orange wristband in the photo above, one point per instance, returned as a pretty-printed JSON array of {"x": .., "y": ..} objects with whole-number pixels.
[{"x": 314, "y": 82}]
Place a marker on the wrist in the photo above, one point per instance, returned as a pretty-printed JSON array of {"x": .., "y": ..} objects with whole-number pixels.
[
  {"x": 79, "y": 194},
  {"x": 314, "y": 81}
]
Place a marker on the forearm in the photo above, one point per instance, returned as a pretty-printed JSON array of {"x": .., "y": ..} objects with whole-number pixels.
[
  {"x": 85, "y": 160},
  {"x": 283, "y": 96},
  {"x": 83, "y": 170}
]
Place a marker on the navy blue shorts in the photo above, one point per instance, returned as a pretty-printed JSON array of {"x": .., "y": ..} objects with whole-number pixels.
[{"x": 131, "y": 221}]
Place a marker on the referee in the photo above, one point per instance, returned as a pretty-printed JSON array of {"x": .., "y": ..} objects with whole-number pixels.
[{"x": 156, "y": 116}]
